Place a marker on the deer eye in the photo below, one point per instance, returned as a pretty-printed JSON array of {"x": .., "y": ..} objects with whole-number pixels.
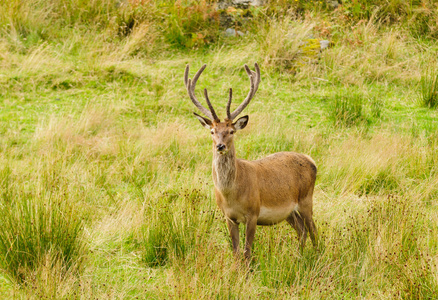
[
  {"x": 232, "y": 132},
  {"x": 212, "y": 132}
]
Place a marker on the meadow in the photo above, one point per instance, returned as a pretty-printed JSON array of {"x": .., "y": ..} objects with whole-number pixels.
[{"x": 105, "y": 174}]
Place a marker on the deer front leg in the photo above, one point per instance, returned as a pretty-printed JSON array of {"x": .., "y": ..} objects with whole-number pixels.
[
  {"x": 233, "y": 227},
  {"x": 251, "y": 225}
]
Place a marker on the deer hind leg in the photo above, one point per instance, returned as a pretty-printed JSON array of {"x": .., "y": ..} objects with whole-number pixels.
[
  {"x": 306, "y": 213},
  {"x": 297, "y": 222}
]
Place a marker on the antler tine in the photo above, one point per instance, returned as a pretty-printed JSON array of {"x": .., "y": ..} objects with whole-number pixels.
[
  {"x": 229, "y": 105},
  {"x": 254, "y": 78},
  {"x": 258, "y": 79},
  {"x": 186, "y": 75},
  {"x": 190, "y": 85},
  {"x": 255, "y": 74},
  {"x": 213, "y": 113},
  {"x": 196, "y": 102}
]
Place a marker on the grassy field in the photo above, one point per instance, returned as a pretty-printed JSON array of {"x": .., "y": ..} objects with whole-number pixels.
[{"x": 105, "y": 175}]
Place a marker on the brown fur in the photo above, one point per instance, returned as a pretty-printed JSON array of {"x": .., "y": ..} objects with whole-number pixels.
[
  {"x": 261, "y": 192},
  {"x": 282, "y": 181}
]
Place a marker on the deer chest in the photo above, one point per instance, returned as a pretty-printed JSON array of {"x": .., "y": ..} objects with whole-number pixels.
[{"x": 233, "y": 210}]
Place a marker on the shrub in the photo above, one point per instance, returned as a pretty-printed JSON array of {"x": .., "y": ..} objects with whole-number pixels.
[{"x": 190, "y": 24}]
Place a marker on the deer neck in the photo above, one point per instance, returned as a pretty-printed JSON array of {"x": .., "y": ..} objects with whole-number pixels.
[{"x": 224, "y": 169}]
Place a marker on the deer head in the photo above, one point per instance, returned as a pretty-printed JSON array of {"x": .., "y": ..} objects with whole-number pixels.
[{"x": 222, "y": 132}]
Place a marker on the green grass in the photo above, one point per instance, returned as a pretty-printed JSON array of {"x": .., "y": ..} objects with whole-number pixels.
[
  {"x": 32, "y": 230},
  {"x": 347, "y": 109},
  {"x": 42, "y": 232},
  {"x": 429, "y": 89},
  {"x": 105, "y": 175},
  {"x": 173, "y": 233}
]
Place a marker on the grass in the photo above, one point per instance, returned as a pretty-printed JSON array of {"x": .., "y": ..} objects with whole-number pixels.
[
  {"x": 429, "y": 90},
  {"x": 31, "y": 230},
  {"x": 41, "y": 242},
  {"x": 347, "y": 109},
  {"x": 173, "y": 234},
  {"x": 105, "y": 182}
]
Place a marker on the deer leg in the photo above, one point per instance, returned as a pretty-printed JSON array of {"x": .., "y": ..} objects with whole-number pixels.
[
  {"x": 309, "y": 225},
  {"x": 295, "y": 220},
  {"x": 233, "y": 227},
  {"x": 251, "y": 225},
  {"x": 312, "y": 230}
]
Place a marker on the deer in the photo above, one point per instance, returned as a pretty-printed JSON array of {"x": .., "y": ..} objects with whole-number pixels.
[{"x": 261, "y": 192}]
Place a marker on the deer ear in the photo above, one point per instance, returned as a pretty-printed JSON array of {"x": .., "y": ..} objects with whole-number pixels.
[
  {"x": 204, "y": 121},
  {"x": 241, "y": 123}
]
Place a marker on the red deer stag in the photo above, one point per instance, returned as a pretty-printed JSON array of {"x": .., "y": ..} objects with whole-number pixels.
[{"x": 261, "y": 192}]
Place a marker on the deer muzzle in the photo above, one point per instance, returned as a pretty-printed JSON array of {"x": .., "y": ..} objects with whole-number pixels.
[{"x": 220, "y": 147}]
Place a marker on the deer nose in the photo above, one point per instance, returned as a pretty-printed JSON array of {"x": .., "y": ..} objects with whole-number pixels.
[{"x": 220, "y": 147}]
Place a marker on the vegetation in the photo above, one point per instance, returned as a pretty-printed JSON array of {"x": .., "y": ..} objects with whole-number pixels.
[
  {"x": 105, "y": 176},
  {"x": 429, "y": 89}
]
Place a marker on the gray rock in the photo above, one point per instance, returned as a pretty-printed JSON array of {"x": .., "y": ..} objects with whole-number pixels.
[
  {"x": 232, "y": 32},
  {"x": 239, "y": 3},
  {"x": 333, "y": 4},
  {"x": 324, "y": 44}
]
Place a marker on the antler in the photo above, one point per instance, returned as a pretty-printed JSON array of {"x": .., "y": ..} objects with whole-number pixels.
[
  {"x": 229, "y": 105},
  {"x": 254, "y": 78},
  {"x": 190, "y": 85}
]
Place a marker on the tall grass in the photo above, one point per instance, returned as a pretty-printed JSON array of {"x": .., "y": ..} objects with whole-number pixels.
[
  {"x": 363, "y": 252},
  {"x": 176, "y": 228},
  {"x": 36, "y": 228},
  {"x": 345, "y": 266},
  {"x": 281, "y": 44},
  {"x": 347, "y": 109},
  {"x": 429, "y": 89}
]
